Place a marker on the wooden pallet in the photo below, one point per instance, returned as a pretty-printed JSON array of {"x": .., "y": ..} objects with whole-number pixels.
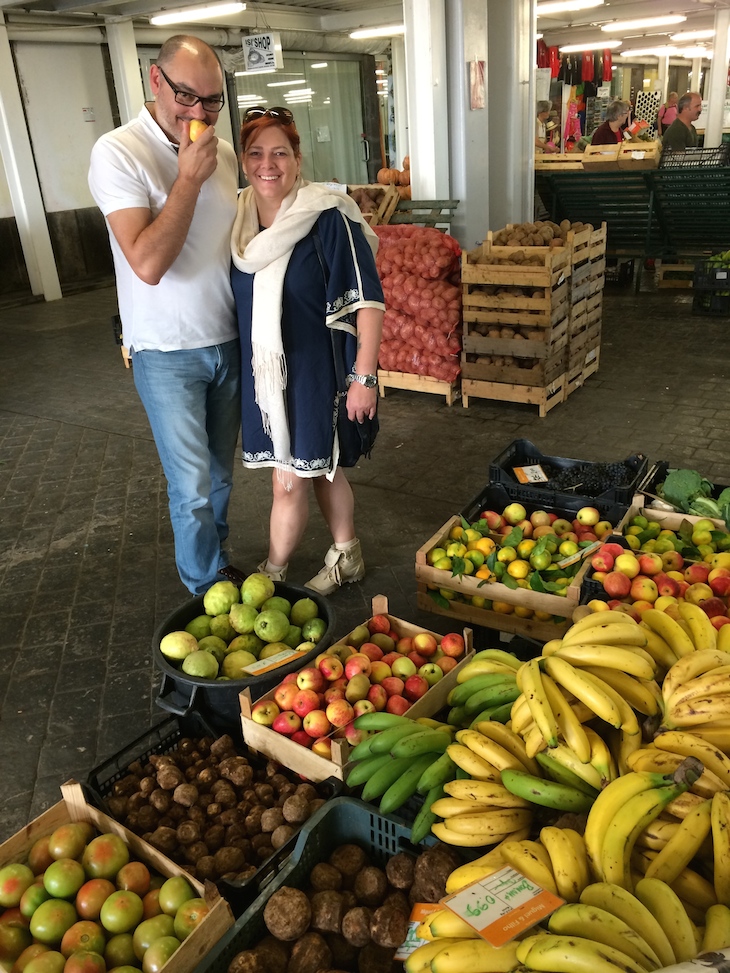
[
  {"x": 544, "y": 398},
  {"x": 682, "y": 283},
  {"x": 424, "y": 212},
  {"x": 417, "y": 383}
]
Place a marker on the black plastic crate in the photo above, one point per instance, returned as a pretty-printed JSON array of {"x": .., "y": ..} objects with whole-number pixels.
[
  {"x": 164, "y": 738},
  {"x": 658, "y": 474},
  {"x": 710, "y": 302},
  {"x": 696, "y": 158},
  {"x": 522, "y": 452},
  {"x": 496, "y": 496},
  {"x": 711, "y": 277},
  {"x": 341, "y": 821}
]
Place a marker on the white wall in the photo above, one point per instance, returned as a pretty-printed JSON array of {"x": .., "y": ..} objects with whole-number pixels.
[
  {"x": 6, "y": 207},
  {"x": 63, "y": 87}
]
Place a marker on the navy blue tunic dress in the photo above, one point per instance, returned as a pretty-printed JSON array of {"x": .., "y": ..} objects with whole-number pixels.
[{"x": 309, "y": 309}]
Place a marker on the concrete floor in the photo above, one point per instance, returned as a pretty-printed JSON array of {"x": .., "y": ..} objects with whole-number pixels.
[{"x": 86, "y": 557}]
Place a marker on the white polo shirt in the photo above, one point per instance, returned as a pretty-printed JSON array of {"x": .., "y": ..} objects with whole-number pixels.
[{"x": 192, "y": 306}]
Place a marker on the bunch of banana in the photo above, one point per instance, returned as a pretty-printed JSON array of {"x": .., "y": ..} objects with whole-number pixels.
[
  {"x": 694, "y": 891},
  {"x": 485, "y": 690},
  {"x": 440, "y": 954},
  {"x": 696, "y": 692},
  {"x": 623, "y": 810},
  {"x": 568, "y": 860},
  {"x": 479, "y": 868}
]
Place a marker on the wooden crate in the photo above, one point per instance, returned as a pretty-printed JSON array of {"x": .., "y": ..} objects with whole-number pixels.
[
  {"x": 465, "y": 612},
  {"x": 558, "y": 161},
  {"x": 675, "y": 276},
  {"x": 424, "y": 212},
  {"x": 639, "y": 155},
  {"x": 386, "y": 207},
  {"x": 551, "y": 342},
  {"x": 586, "y": 366},
  {"x": 417, "y": 383},
  {"x": 601, "y": 158},
  {"x": 669, "y": 519},
  {"x": 543, "y": 373},
  {"x": 73, "y": 807},
  {"x": 494, "y": 590},
  {"x": 312, "y": 766},
  {"x": 544, "y": 398},
  {"x": 578, "y": 313},
  {"x": 594, "y": 308}
]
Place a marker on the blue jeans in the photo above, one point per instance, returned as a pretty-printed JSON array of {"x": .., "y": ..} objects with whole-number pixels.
[{"x": 193, "y": 403}]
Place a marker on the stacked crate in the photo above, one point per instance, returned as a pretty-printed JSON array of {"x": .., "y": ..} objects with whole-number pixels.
[
  {"x": 515, "y": 324},
  {"x": 587, "y": 280}
]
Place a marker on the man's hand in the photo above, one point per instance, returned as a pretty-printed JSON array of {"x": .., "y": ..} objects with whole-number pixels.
[
  {"x": 197, "y": 160},
  {"x": 549, "y": 147},
  {"x": 361, "y": 402}
]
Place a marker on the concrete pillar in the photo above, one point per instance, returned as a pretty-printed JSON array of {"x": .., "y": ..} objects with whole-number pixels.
[
  {"x": 696, "y": 74},
  {"x": 511, "y": 80},
  {"x": 425, "y": 47},
  {"x": 25, "y": 190},
  {"x": 468, "y": 127},
  {"x": 718, "y": 79},
  {"x": 125, "y": 67},
  {"x": 400, "y": 98},
  {"x": 663, "y": 77}
]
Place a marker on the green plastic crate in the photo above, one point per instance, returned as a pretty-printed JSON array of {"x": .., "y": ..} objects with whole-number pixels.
[{"x": 343, "y": 820}]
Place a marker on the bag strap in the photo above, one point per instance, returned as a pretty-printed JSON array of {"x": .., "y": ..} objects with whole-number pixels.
[{"x": 340, "y": 376}]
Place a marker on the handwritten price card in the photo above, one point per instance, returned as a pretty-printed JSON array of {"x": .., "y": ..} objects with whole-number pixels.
[{"x": 502, "y": 905}]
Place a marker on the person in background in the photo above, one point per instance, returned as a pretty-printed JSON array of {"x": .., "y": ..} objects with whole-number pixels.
[
  {"x": 609, "y": 132},
  {"x": 306, "y": 288},
  {"x": 682, "y": 134},
  {"x": 667, "y": 113},
  {"x": 169, "y": 205},
  {"x": 541, "y": 140}
]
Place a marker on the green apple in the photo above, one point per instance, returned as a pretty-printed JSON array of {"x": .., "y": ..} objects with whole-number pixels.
[
  {"x": 281, "y": 604},
  {"x": 199, "y": 627},
  {"x": 201, "y": 664},
  {"x": 271, "y": 625},
  {"x": 302, "y": 611},
  {"x": 314, "y": 629}
]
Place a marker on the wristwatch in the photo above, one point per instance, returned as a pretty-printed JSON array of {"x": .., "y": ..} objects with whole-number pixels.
[{"x": 369, "y": 381}]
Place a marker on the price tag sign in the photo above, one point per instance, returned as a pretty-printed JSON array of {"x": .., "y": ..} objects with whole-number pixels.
[
  {"x": 502, "y": 905},
  {"x": 530, "y": 474},
  {"x": 413, "y": 941}
]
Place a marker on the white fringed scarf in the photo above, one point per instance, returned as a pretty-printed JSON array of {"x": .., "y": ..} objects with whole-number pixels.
[{"x": 266, "y": 254}]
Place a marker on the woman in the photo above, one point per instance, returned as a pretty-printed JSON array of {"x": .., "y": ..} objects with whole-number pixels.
[
  {"x": 306, "y": 288},
  {"x": 667, "y": 113},
  {"x": 609, "y": 133}
]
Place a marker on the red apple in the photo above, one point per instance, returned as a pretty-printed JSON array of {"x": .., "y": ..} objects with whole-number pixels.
[
  {"x": 720, "y": 585},
  {"x": 363, "y": 706},
  {"x": 302, "y": 738},
  {"x": 719, "y": 620},
  {"x": 562, "y": 526},
  {"x": 333, "y": 694},
  {"x": 340, "y": 713},
  {"x": 393, "y": 686},
  {"x": 612, "y": 548},
  {"x": 446, "y": 663},
  {"x": 672, "y": 561},
  {"x": 355, "y": 736},
  {"x": 287, "y": 723},
  {"x": 696, "y": 573},
  {"x": 644, "y": 589},
  {"x": 697, "y": 593},
  {"x": 331, "y": 668},
  {"x": 493, "y": 519},
  {"x": 628, "y": 610},
  {"x": 404, "y": 645},
  {"x": 390, "y": 658},
  {"x": 713, "y": 606},
  {"x": 404, "y": 667},
  {"x": 323, "y": 747},
  {"x": 316, "y": 724},
  {"x": 379, "y": 670},
  {"x": 650, "y": 564},
  {"x": 371, "y": 650},
  {"x": 392, "y": 634},
  {"x": 617, "y": 584},
  {"x": 417, "y": 659},
  {"x": 284, "y": 695},
  {"x": 540, "y": 518},
  {"x": 397, "y": 705},
  {"x": 666, "y": 585},
  {"x": 264, "y": 711},
  {"x": 602, "y": 560},
  {"x": 514, "y": 512},
  {"x": 526, "y": 528},
  {"x": 425, "y": 644},
  {"x": 356, "y": 665},
  {"x": 415, "y": 687},
  {"x": 379, "y": 623},
  {"x": 311, "y": 678},
  {"x": 378, "y": 697},
  {"x": 452, "y": 644},
  {"x": 304, "y": 702}
]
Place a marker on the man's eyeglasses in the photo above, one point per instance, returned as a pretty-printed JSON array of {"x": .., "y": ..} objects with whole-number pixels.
[
  {"x": 282, "y": 115},
  {"x": 188, "y": 99}
]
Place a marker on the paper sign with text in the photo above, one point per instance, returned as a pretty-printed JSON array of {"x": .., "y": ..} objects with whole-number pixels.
[
  {"x": 530, "y": 474},
  {"x": 412, "y": 941},
  {"x": 502, "y": 905}
]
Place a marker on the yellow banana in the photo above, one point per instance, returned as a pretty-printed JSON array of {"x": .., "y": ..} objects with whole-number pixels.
[
  {"x": 629, "y": 722},
  {"x": 717, "y": 680},
  {"x": 665, "y": 906},
  {"x": 520, "y": 715},
  {"x": 689, "y": 667},
  {"x": 611, "y": 656},
  {"x": 721, "y": 846},
  {"x": 532, "y": 686},
  {"x": 693, "y": 888},
  {"x": 580, "y": 685},
  {"x": 487, "y": 749},
  {"x": 717, "y": 733},
  {"x": 594, "y": 622},
  {"x": 475, "y": 870},
  {"x": 723, "y": 640},
  {"x": 699, "y": 711},
  {"x": 483, "y": 792},
  {"x": 664, "y": 762},
  {"x": 642, "y": 695},
  {"x": 532, "y": 860},
  {"x": 615, "y": 631},
  {"x": 447, "y": 807},
  {"x": 702, "y": 631},
  {"x": 670, "y": 630},
  {"x": 690, "y": 746},
  {"x": 656, "y": 834},
  {"x": 568, "y": 860},
  {"x": 445, "y": 924},
  {"x": 569, "y": 726},
  {"x": 480, "y": 668},
  {"x": 601, "y": 756},
  {"x": 592, "y": 922},
  {"x": 468, "y": 761},
  {"x": 681, "y": 806},
  {"x": 660, "y": 651},
  {"x": 508, "y": 738},
  {"x": 534, "y": 741},
  {"x": 419, "y": 960},
  {"x": 449, "y": 837},
  {"x": 682, "y": 847},
  {"x": 572, "y": 954},
  {"x": 476, "y": 956},
  {"x": 717, "y": 929},
  {"x": 498, "y": 655},
  {"x": 624, "y": 905},
  {"x": 495, "y": 823}
]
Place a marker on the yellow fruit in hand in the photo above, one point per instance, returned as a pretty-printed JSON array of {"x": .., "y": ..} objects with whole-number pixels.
[{"x": 196, "y": 129}]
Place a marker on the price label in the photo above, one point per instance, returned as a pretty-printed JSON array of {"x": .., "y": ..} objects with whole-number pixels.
[
  {"x": 530, "y": 474},
  {"x": 502, "y": 905},
  {"x": 412, "y": 940}
]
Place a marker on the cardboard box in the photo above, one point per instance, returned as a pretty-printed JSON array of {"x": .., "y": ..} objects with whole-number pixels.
[
  {"x": 316, "y": 768},
  {"x": 73, "y": 807}
]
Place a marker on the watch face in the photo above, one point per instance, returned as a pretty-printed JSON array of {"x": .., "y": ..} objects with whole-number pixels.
[{"x": 370, "y": 381}]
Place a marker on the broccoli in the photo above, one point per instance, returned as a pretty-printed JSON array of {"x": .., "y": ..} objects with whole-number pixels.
[{"x": 682, "y": 487}]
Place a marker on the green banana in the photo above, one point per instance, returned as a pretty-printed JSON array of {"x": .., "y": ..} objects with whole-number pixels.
[
  {"x": 562, "y": 775},
  {"x": 440, "y": 772},
  {"x": 380, "y": 721},
  {"x": 415, "y": 744},
  {"x": 421, "y": 827},
  {"x": 462, "y": 774},
  {"x": 457, "y": 716},
  {"x": 459, "y": 694},
  {"x": 365, "y": 768},
  {"x": 386, "y": 739},
  {"x": 378, "y": 783},
  {"x": 405, "y": 786},
  {"x": 498, "y": 655},
  {"x": 546, "y": 793},
  {"x": 506, "y": 693},
  {"x": 499, "y": 714},
  {"x": 363, "y": 749}
]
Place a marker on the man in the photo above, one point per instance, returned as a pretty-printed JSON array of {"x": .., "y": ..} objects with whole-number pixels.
[
  {"x": 169, "y": 203},
  {"x": 682, "y": 134},
  {"x": 541, "y": 141}
]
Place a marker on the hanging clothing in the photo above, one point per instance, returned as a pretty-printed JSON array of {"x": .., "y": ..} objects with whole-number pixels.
[
  {"x": 554, "y": 58},
  {"x": 587, "y": 66},
  {"x": 607, "y": 66}
]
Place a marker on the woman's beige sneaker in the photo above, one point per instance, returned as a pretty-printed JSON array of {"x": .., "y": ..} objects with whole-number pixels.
[
  {"x": 339, "y": 567},
  {"x": 274, "y": 575}
]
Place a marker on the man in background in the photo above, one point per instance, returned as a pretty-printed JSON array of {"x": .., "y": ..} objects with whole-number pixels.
[
  {"x": 682, "y": 134},
  {"x": 169, "y": 204},
  {"x": 541, "y": 140}
]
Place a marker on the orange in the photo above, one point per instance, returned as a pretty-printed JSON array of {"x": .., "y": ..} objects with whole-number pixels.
[
  {"x": 523, "y": 612},
  {"x": 518, "y": 569},
  {"x": 485, "y": 545},
  {"x": 456, "y": 533},
  {"x": 502, "y": 607},
  {"x": 483, "y": 573},
  {"x": 525, "y": 547}
]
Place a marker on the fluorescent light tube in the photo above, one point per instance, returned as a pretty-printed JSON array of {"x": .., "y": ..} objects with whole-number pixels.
[
  {"x": 590, "y": 46},
  {"x": 183, "y": 15},
  {"x": 565, "y": 6},
  {"x": 624, "y": 25},
  {"x": 389, "y": 31}
]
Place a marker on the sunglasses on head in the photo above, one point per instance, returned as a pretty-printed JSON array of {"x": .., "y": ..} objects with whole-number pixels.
[{"x": 282, "y": 115}]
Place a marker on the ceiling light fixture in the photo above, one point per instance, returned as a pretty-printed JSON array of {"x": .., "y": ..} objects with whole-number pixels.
[
  {"x": 565, "y": 6},
  {"x": 667, "y": 51},
  {"x": 624, "y": 25},
  {"x": 538, "y": 37},
  {"x": 242, "y": 74},
  {"x": 695, "y": 53},
  {"x": 319, "y": 64},
  {"x": 183, "y": 15},
  {"x": 283, "y": 84},
  {"x": 590, "y": 46},
  {"x": 692, "y": 35},
  {"x": 388, "y": 31}
]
